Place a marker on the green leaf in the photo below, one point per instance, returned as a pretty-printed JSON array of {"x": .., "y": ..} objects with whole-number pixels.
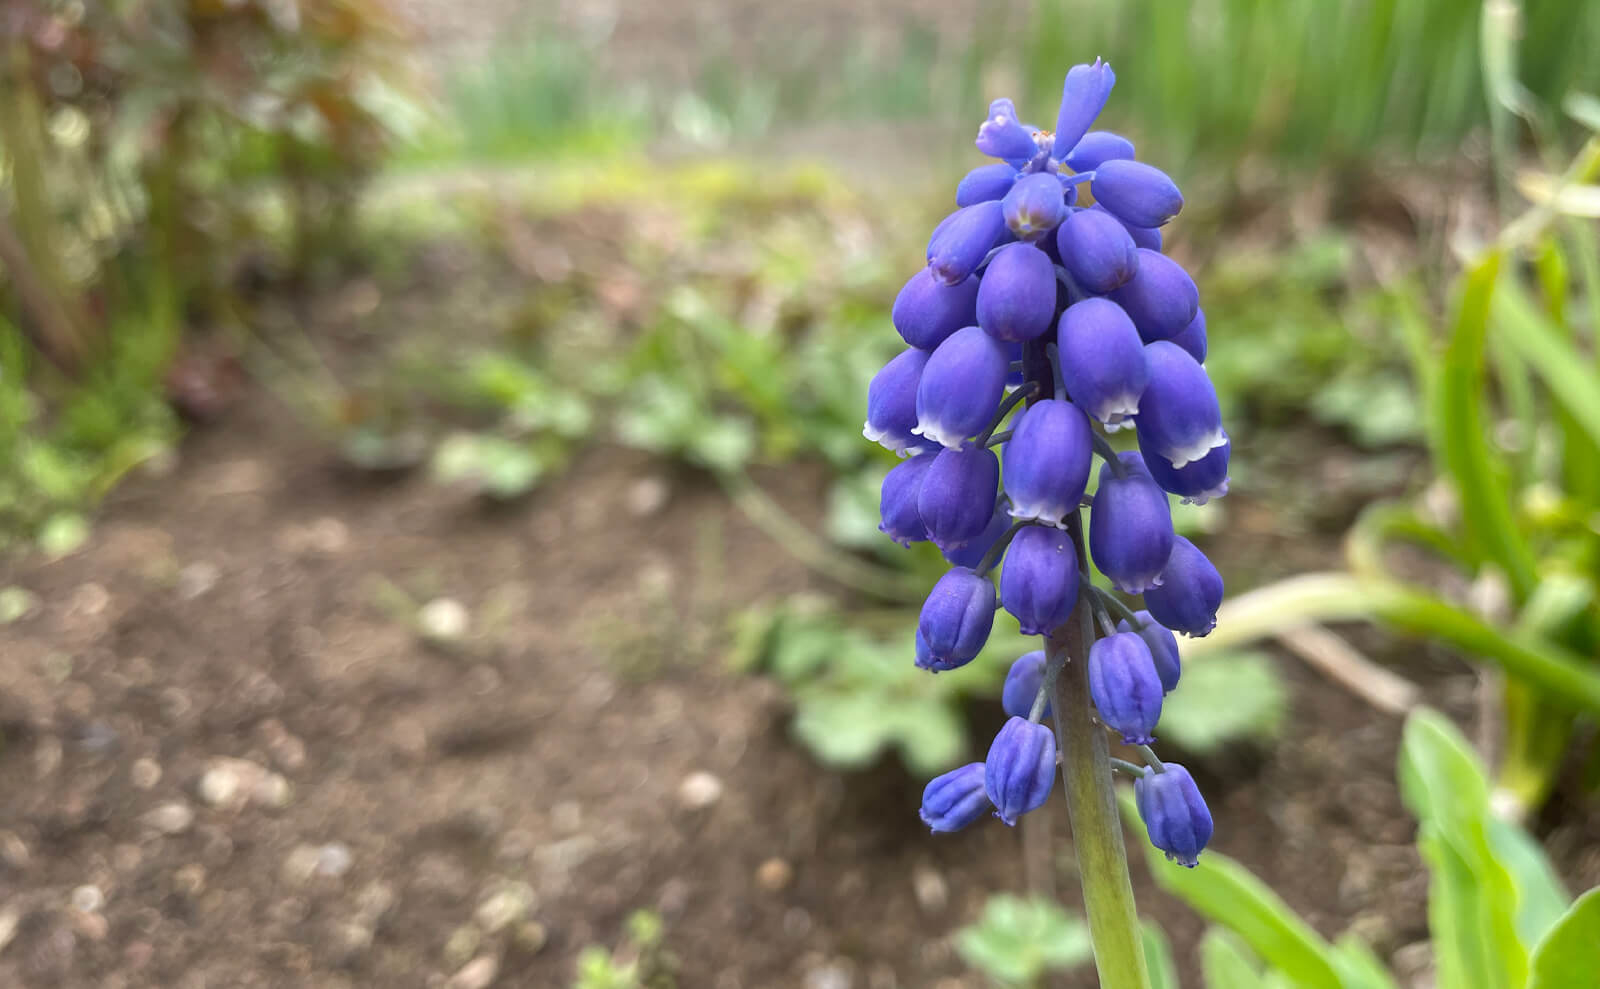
[
  {"x": 1473, "y": 898},
  {"x": 1566, "y": 957},
  {"x": 1224, "y": 697},
  {"x": 62, "y": 534},
  {"x": 1358, "y": 967},
  {"x": 1228, "y": 894},
  {"x": 1462, "y": 413},
  {"x": 1541, "y": 897},
  {"x": 1570, "y": 377},
  {"x": 840, "y": 729},
  {"x": 1226, "y": 963},
  {"x": 16, "y": 603},
  {"x": 1158, "y": 958},
  {"x": 1017, "y": 940}
]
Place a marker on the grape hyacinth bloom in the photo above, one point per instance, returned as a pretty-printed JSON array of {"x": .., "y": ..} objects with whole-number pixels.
[
  {"x": 1037, "y": 330},
  {"x": 1022, "y": 685},
  {"x": 955, "y": 620},
  {"x": 960, "y": 387},
  {"x": 1130, "y": 526},
  {"x": 892, "y": 403},
  {"x": 1163, "y": 648},
  {"x": 956, "y": 799},
  {"x": 1020, "y": 769},
  {"x": 1189, "y": 594},
  {"x": 1039, "y": 582},
  {"x": 1126, "y": 686},
  {"x": 1173, "y": 812}
]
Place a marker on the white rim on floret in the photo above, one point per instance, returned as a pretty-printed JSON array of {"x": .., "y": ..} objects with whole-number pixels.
[
  {"x": 938, "y": 433},
  {"x": 1134, "y": 588},
  {"x": 1118, "y": 411},
  {"x": 1046, "y": 514},
  {"x": 893, "y": 442},
  {"x": 1183, "y": 456},
  {"x": 1205, "y": 496}
]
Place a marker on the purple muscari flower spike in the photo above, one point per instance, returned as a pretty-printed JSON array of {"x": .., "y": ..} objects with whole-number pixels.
[
  {"x": 1174, "y": 813},
  {"x": 1178, "y": 415},
  {"x": 1161, "y": 298},
  {"x": 1130, "y": 526},
  {"x": 1039, "y": 582},
  {"x": 1135, "y": 192},
  {"x": 1034, "y": 205},
  {"x": 1047, "y": 461},
  {"x": 984, "y": 183},
  {"x": 1148, "y": 238},
  {"x": 956, "y": 500},
  {"x": 971, "y": 553},
  {"x": 1102, "y": 360},
  {"x": 1098, "y": 146},
  {"x": 955, "y": 620},
  {"x": 1097, "y": 251},
  {"x": 1189, "y": 594},
  {"x": 1020, "y": 769},
  {"x": 927, "y": 311},
  {"x": 961, "y": 386},
  {"x": 1083, "y": 96},
  {"x": 1125, "y": 687},
  {"x": 1163, "y": 648},
  {"x": 963, "y": 240},
  {"x": 1193, "y": 337},
  {"x": 956, "y": 799},
  {"x": 1002, "y": 135},
  {"x": 1022, "y": 685},
  {"x": 892, "y": 403},
  {"x": 1017, "y": 296},
  {"x": 897, "y": 503},
  {"x": 1196, "y": 482}
]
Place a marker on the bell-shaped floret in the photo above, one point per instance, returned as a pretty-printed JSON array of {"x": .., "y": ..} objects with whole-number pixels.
[
  {"x": 1097, "y": 251},
  {"x": 1174, "y": 813},
  {"x": 1125, "y": 687},
  {"x": 897, "y": 501},
  {"x": 1017, "y": 297},
  {"x": 892, "y": 403},
  {"x": 1002, "y": 135},
  {"x": 1034, "y": 206},
  {"x": 1020, "y": 769},
  {"x": 956, "y": 799},
  {"x": 1102, "y": 360},
  {"x": 960, "y": 387},
  {"x": 1161, "y": 298},
  {"x": 1196, "y": 482},
  {"x": 1047, "y": 461},
  {"x": 1189, "y": 594},
  {"x": 955, "y": 621},
  {"x": 1096, "y": 147},
  {"x": 963, "y": 239},
  {"x": 984, "y": 183},
  {"x": 956, "y": 499},
  {"x": 1130, "y": 526},
  {"x": 1179, "y": 417},
  {"x": 1163, "y": 648},
  {"x": 1022, "y": 685},
  {"x": 1136, "y": 192},
  {"x": 1083, "y": 96},
  {"x": 1039, "y": 582},
  {"x": 927, "y": 311}
]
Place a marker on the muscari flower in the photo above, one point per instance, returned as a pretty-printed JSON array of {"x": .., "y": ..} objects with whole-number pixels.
[
  {"x": 897, "y": 500},
  {"x": 927, "y": 310},
  {"x": 1047, "y": 461},
  {"x": 956, "y": 799},
  {"x": 1034, "y": 205},
  {"x": 955, "y": 621},
  {"x": 972, "y": 552},
  {"x": 1022, "y": 685},
  {"x": 986, "y": 182},
  {"x": 1083, "y": 96},
  {"x": 1193, "y": 337},
  {"x": 1017, "y": 296},
  {"x": 1173, "y": 812},
  {"x": 1039, "y": 581},
  {"x": 1020, "y": 769},
  {"x": 1163, "y": 648},
  {"x": 1189, "y": 594},
  {"x": 892, "y": 403},
  {"x": 1097, "y": 251},
  {"x": 1179, "y": 417},
  {"x": 956, "y": 498},
  {"x": 1102, "y": 361},
  {"x": 1148, "y": 238},
  {"x": 1160, "y": 298},
  {"x": 1125, "y": 687},
  {"x": 1096, "y": 147},
  {"x": 1130, "y": 526},
  {"x": 1135, "y": 192},
  {"x": 960, "y": 387},
  {"x": 964, "y": 239},
  {"x": 1197, "y": 481}
]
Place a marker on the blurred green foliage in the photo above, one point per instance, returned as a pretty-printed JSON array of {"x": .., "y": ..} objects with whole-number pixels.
[
  {"x": 640, "y": 961},
  {"x": 1017, "y": 941},
  {"x": 1498, "y": 914}
]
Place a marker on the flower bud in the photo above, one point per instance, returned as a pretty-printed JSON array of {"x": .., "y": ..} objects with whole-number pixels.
[
  {"x": 1125, "y": 687},
  {"x": 960, "y": 387},
  {"x": 1174, "y": 813},
  {"x": 1193, "y": 337},
  {"x": 984, "y": 183},
  {"x": 971, "y": 553},
  {"x": 927, "y": 311},
  {"x": 897, "y": 501},
  {"x": 1017, "y": 296},
  {"x": 1039, "y": 582},
  {"x": 1047, "y": 461},
  {"x": 1161, "y": 299},
  {"x": 1022, "y": 685},
  {"x": 955, "y": 620},
  {"x": 1146, "y": 237},
  {"x": 1130, "y": 526},
  {"x": 956, "y": 799},
  {"x": 892, "y": 403},
  {"x": 1102, "y": 360},
  {"x": 1083, "y": 96},
  {"x": 1163, "y": 648},
  {"x": 956, "y": 500},
  {"x": 1135, "y": 192},
  {"x": 1196, "y": 482},
  {"x": 1020, "y": 769},
  {"x": 1003, "y": 136},
  {"x": 1034, "y": 205},
  {"x": 1097, "y": 251},
  {"x": 961, "y": 242},
  {"x": 1178, "y": 414},
  {"x": 1189, "y": 594},
  {"x": 1096, "y": 147}
]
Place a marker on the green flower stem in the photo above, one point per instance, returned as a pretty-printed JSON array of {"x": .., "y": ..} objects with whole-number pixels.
[{"x": 1091, "y": 802}]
